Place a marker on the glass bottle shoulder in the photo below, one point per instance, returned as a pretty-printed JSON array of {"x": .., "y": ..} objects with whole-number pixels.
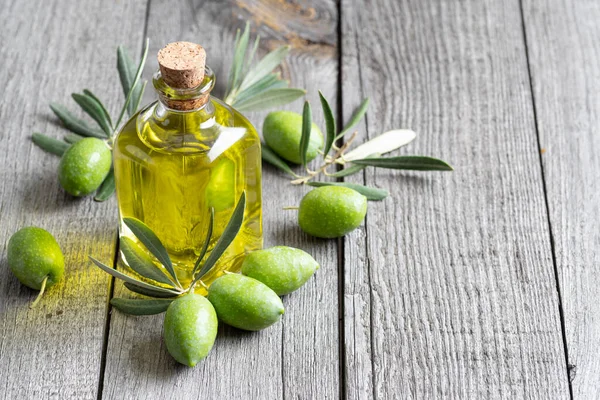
[{"x": 210, "y": 131}]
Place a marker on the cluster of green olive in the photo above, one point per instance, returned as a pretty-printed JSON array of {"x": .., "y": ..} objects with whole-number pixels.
[
  {"x": 325, "y": 212},
  {"x": 248, "y": 301}
]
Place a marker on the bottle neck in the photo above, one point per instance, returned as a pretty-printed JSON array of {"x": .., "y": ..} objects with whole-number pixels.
[{"x": 188, "y": 99}]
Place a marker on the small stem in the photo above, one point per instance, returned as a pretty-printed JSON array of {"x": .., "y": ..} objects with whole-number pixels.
[
  {"x": 323, "y": 169},
  {"x": 41, "y": 293},
  {"x": 291, "y": 208},
  {"x": 203, "y": 285},
  {"x": 228, "y": 272}
]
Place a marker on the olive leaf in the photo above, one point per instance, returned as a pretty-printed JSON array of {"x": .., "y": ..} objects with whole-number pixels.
[
  {"x": 152, "y": 243},
  {"x": 140, "y": 306},
  {"x": 74, "y": 124},
  {"x": 136, "y": 79},
  {"x": 206, "y": 242},
  {"x": 358, "y": 114},
  {"x": 329, "y": 123},
  {"x": 265, "y": 66},
  {"x": 240, "y": 46},
  {"x": 140, "y": 262},
  {"x": 354, "y": 169},
  {"x": 72, "y": 138},
  {"x": 269, "y": 156},
  {"x": 107, "y": 188},
  {"x": 49, "y": 144},
  {"x": 370, "y": 193},
  {"x": 415, "y": 163},
  {"x": 231, "y": 230},
  {"x": 306, "y": 129},
  {"x": 134, "y": 282},
  {"x": 137, "y": 97},
  {"x": 94, "y": 108},
  {"x": 257, "y": 88},
  {"x": 151, "y": 292},
  {"x": 384, "y": 143},
  {"x": 271, "y": 81},
  {"x": 127, "y": 72},
  {"x": 269, "y": 99}
]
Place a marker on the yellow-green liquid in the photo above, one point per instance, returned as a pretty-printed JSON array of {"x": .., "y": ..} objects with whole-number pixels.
[{"x": 172, "y": 167}]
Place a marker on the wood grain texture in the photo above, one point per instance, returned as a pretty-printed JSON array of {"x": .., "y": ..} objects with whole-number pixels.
[
  {"x": 297, "y": 358},
  {"x": 48, "y": 50},
  {"x": 454, "y": 295},
  {"x": 564, "y": 57}
]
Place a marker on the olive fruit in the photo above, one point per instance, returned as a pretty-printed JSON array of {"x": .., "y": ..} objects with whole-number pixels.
[
  {"x": 282, "y": 131},
  {"x": 84, "y": 166},
  {"x": 283, "y": 269},
  {"x": 190, "y": 328},
  {"x": 245, "y": 303},
  {"x": 34, "y": 256},
  {"x": 331, "y": 211}
]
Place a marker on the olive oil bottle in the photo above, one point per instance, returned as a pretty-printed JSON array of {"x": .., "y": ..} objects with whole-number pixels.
[{"x": 184, "y": 154}]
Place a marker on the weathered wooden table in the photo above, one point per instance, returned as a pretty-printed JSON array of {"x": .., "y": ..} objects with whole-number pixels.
[{"x": 481, "y": 283}]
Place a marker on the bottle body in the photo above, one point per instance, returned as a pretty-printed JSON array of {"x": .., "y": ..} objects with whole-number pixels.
[{"x": 171, "y": 167}]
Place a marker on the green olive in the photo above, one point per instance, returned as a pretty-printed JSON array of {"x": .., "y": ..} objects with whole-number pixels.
[
  {"x": 34, "y": 256},
  {"x": 190, "y": 329},
  {"x": 84, "y": 166},
  {"x": 331, "y": 211},
  {"x": 282, "y": 131},
  {"x": 245, "y": 303},
  {"x": 283, "y": 269}
]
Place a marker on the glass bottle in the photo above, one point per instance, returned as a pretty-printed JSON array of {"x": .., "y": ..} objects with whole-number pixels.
[{"x": 182, "y": 155}]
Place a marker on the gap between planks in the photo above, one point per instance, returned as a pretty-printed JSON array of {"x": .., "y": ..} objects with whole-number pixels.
[{"x": 546, "y": 203}]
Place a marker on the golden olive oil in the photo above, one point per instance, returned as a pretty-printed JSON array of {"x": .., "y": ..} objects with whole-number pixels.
[{"x": 172, "y": 166}]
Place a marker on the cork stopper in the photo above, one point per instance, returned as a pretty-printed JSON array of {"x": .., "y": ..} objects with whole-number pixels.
[{"x": 182, "y": 64}]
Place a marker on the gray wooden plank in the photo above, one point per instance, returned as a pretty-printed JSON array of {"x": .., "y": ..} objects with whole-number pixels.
[
  {"x": 296, "y": 358},
  {"x": 50, "y": 49},
  {"x": 450, "y": 286},
  {"x": 564, "y": 58}
]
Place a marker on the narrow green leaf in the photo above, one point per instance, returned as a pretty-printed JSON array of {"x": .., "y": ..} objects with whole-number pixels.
[
  {"x": 231, "y": 230},
  {"x": 251, "y": 57},
  {"x": 306, "y": 129},
  {"x": 94, "y": 110},
  {"x": 136, "y": 79},
  {"x": 269, "y": 156},
  {"x": 140, "y": 262},
  {"x": 329, "y": 123},
  {"x": 128, "y": 279},
  {"x": 230, "y": 88},
  {"x": 107, "y": 188},
  {"x": 369, "y": 192},
  {"x": 206, "y": 243},
  {"x": 415, "y": 163},
  {"x": 151, "y": 292},
  {"x": 271, "y": 81},
  {"x": 72, "y": 138},
  {"x": 354, "y": 169},
  {"x": 74, "y": 124},
  {"x": 127, "y": 71},
  {"x": 239, "y": 56},
  {"x": 89, "y": 93},
  {"x": 269, "y": 99},
  {"x": 137, "y": 98},
  {"x": 140, "y": 307},
  {"x": 358, "y": 114},
  {"x": 265, "y": 66},
  {"x": 49, "y": 144},
  {"x": 152, "y": 243}
]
